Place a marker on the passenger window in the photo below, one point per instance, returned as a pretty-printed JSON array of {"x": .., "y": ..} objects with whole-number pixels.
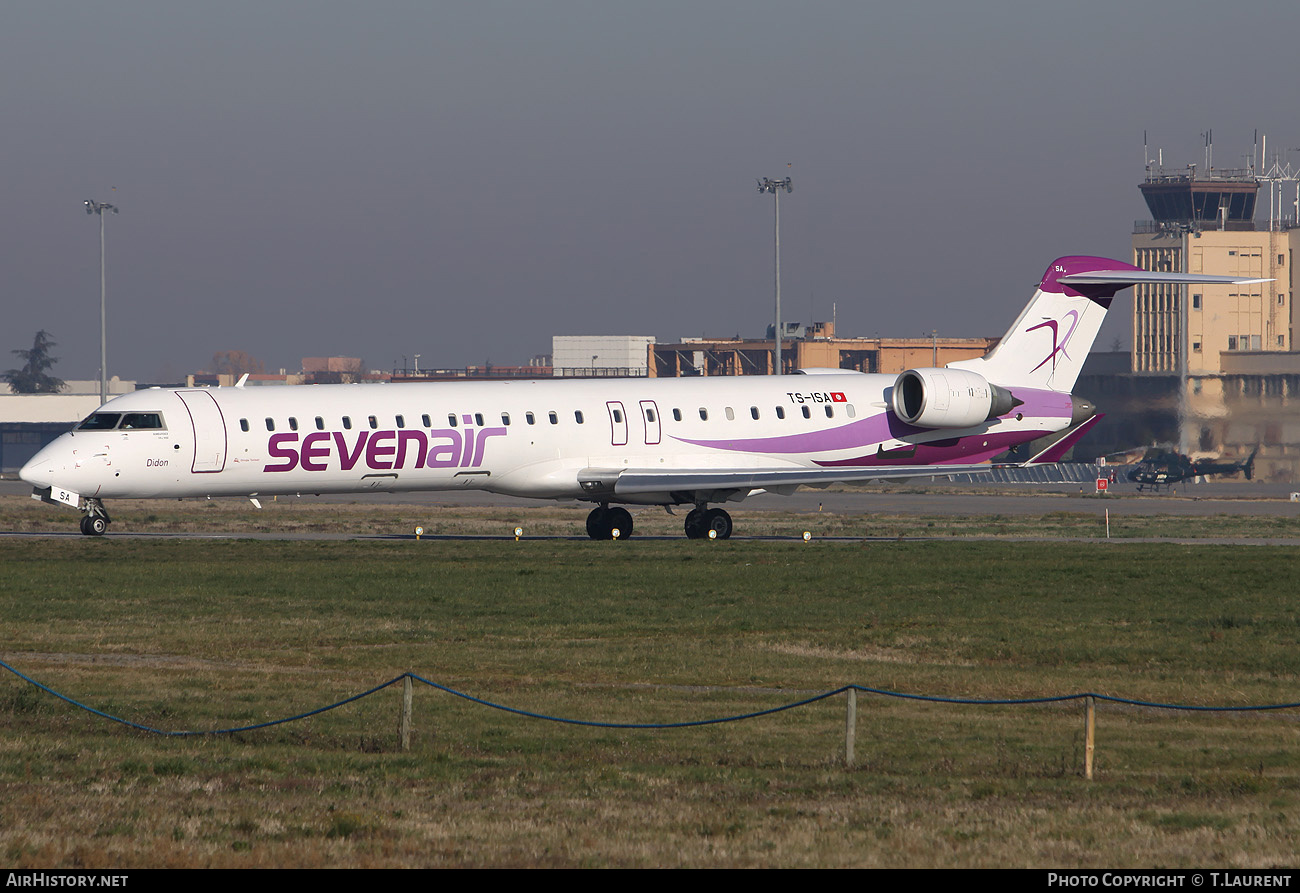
[
  {"x": 753, "y": 412},
  {"x": 806, "y": 413},
  {"x": 374, "y": 422},
  {"x": 135, "y": 420},
  {"x": 780, "y": 412},
  {"x": 293, "y": 424},
  {"x": 577, "y": 416},
  {"x": 530, "y": 418},
  {"x": 730, "y": 414},
  {"x": 677, "y": 415},
  {"x": 428, "y": 422},
  {"x": 401, "y": 421},
  {"x": 347, "y": 423},
  {"x": 649, "y": 415},
  {"x": 243, "y": 424},
  {"x": 478, "y": 419},
  {"x": 270, "y": 424},
  {"x": 704, "y": 414},
  {"x": 830, "y": 411},
  {"x": 451, "y": 419},
  {"x": 849, "y": 409},
  {"x": 618, "y": 417},
  {"x": 505, "y": 418},
  {"x": 320, "y": 423},
  {"x": 555, "y": 419}
]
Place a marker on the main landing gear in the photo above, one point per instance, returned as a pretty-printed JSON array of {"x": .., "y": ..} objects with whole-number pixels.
[
  {"x": 603, "y": 521},
  {"x": 702, "y": 521},
  {"x": 96, "y": 519}
]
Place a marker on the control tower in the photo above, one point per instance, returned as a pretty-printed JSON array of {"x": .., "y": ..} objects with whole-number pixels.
[
  {"x": 1225, "y": 200},
  {"x": 1226, "y": 351},
  {"x": 1205, "y": 223}
]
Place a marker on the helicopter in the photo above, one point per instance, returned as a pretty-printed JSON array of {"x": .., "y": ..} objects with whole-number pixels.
[{"x": 1163, "y": 468}]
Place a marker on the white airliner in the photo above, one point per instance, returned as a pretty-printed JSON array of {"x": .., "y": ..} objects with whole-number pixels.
[{"x": 635, "y": 441}]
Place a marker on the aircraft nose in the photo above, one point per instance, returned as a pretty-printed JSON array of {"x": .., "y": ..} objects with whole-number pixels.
[{"x": 40, "y": 469}]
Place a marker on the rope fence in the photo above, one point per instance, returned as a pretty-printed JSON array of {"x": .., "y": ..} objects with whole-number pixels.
[{"x": 851, "y": 691}]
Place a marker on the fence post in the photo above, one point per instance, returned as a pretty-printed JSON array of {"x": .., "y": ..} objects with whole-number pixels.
[
  {"x": 1090, "y": 727},
  {"x": 850, "y": 726},
  {"x": 406, "y": 712}
]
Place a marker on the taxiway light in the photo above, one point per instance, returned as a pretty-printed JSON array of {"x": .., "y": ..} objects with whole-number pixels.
[
  {"x": 419, "y": 531},
  {"x": 807, "y": 536},
  {"x": 615, "y": 533},
  {"x": 519, "y": 531},
  {"x": 713, "y": 534}
]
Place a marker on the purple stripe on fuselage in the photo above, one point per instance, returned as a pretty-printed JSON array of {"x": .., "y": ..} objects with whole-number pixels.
[
  {"x": 882, "y": 427},
  {"x": 1041, "y": 404},
  {"x": 855, "y": 434}
]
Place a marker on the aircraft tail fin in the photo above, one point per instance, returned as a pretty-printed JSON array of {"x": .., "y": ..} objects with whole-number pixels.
[
  {"x": 1249, "y": 466},
  {"x": 1048, "y": 343}
]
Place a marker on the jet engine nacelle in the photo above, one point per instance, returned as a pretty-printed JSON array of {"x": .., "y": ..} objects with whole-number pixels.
[{"x": 948, "y": 398}]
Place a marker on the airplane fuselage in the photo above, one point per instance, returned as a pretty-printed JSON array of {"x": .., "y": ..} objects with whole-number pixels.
[
  {"x": 521, "y": 438},
  {"x": 640, "y": 441}
]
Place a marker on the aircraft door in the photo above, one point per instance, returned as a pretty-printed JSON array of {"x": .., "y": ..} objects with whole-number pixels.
[
  {"x": 617, "y": 423},
  {"x": 209, "y": 427},
  {"x": 650, "y": 417}
]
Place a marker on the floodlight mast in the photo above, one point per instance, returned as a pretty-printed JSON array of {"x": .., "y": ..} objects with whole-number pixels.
[
  {"x": 94, "y": 207},
  {"x": 766, "y": 185}
]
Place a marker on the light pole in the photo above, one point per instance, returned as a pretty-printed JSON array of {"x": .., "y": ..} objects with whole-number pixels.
[
  {"x": 766, "y": 185},
  {"x": 94, "y": 207}
]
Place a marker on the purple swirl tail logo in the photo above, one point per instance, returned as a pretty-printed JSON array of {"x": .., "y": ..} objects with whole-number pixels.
[{"x": 1058, "y": 344}]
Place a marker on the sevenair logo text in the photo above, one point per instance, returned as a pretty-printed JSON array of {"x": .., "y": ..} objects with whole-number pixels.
[{"x": 380, "y": 450}]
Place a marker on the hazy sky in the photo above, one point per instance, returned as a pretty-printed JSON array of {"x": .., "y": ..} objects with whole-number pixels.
[{"x": 463, "y": 180}]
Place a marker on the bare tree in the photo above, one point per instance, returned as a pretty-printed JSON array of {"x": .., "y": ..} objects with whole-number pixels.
[{"x": 235, "y": 362}]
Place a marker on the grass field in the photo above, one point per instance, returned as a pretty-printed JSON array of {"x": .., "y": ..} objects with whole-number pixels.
[{"x": 196, "y": 635}]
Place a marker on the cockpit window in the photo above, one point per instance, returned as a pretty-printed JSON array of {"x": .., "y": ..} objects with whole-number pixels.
[
  {"x": 100, "y": 421},
  {"x": 142, "y": 420}
]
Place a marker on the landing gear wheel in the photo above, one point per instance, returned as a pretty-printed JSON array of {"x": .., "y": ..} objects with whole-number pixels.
[
  {"x": 695, "y": 525},
  {"x": 93, "y": 525},
  {"x": 620, "y": 519},
  {"x": 717, "y": 522},
  {"x": 598, "y": 526}
]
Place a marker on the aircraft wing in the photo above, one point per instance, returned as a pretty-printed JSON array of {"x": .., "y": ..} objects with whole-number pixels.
[
  {"x": 1058, "y": 449},
  {"x": 634, "y": 481}
]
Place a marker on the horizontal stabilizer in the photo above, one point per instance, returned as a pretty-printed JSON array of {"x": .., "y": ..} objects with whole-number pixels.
[
  {"x": 1046, "y": 347},
  {"x": 1122, "y": 278}
]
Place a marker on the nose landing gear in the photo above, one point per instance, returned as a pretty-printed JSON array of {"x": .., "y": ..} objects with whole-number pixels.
[{"x": 95, "y": 522}]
